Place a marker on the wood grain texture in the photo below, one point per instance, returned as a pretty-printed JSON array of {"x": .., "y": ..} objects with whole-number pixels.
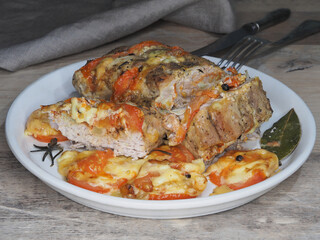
[{"x": 31, "y": 210}]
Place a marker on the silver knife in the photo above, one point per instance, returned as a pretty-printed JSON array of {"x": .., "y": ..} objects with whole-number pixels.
[{"x": 230, "y": 39}]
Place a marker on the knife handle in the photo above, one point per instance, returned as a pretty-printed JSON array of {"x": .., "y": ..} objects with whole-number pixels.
[
  {"x": 269, "y": 20},
  {"x": 305, "y": 29}
]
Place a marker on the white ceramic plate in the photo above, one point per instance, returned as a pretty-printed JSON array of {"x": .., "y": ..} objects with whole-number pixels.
[{"x": 57, "y": 86}]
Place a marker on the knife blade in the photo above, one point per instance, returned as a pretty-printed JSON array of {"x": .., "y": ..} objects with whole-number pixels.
[{"x": 230, "y": 39}]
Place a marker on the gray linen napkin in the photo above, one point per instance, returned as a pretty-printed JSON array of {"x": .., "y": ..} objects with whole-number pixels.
[{"x": 110, "y": 21}]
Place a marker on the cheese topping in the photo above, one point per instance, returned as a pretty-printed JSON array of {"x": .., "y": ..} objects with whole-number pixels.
[
  {"x": 100, "y": 114},
  {"x": 156, "y": 58},
  {"x": 101, "y": 68},
  {"x": 39, "y": 124}
]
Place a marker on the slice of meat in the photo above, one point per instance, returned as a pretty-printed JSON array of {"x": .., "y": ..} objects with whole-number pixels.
[
  {"x": 168, "y": 173},
  {"x": 98, "y": 171},
  {"x": 127, "y": 129},
  {"x": 219, "y": 124},
  {"x": 148, "y": 73},
  {"x": 240, "y": 169}
]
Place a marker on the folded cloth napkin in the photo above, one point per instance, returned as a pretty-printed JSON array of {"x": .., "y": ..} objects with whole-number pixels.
[{"x": 68, "y": 34}]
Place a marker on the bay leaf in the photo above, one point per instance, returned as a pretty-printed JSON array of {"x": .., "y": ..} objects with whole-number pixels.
[{"x": 284, "y": 135}]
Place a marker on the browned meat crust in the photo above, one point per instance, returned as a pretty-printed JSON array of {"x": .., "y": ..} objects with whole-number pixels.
[{"x": 220, "y": 124}]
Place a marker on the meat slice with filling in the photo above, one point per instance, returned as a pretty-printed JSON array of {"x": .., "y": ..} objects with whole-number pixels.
[
  {"x": 127, "y": 129},
  {"x": 169, "y": 173},
  {"x": 148, "y": 73},
  {"x": 239, "y": 169},
  {"x": 98, "y": 171}
]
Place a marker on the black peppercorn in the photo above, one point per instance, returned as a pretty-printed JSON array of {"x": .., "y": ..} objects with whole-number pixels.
[
  {"x": 225, "y": 87},
  {"x": 239, "y": 158},
  {"x": 188, "y": 175}
]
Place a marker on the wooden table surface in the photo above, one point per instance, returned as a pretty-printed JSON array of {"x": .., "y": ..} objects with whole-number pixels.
[{"x": 29, "y": 209}]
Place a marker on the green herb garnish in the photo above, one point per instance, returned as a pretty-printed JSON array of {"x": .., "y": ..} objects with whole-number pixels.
[{"x": 283, "y": 137}]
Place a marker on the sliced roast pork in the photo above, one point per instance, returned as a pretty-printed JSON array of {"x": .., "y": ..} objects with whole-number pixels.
[
  {"x": 219, "y": 124},
  {"x": 127, "y": 129},
  {"x": 197, "y": 103}
]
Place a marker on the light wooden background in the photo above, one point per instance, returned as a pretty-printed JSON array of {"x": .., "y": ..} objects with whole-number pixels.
[{"x": 31, "y": 210}]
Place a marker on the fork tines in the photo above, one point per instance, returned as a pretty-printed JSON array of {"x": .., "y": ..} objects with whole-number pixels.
[{"x": 239, "y": 54}]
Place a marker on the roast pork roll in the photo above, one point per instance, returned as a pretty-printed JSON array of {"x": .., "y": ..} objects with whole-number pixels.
[
  {"x": 148, "y": 74},
  {"x": 200, "y": 105},
  {"x": 127, "y": 129}
]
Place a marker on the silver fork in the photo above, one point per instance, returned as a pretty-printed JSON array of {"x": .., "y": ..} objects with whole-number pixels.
[
  {"x": 240, "y": 53},
  {"x": 244, "y": 50}
]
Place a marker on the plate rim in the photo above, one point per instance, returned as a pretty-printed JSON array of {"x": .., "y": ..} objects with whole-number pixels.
[{"x": 165, "y": 204}]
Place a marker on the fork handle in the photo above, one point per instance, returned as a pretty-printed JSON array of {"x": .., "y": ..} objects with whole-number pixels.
[
  {"x": 269, "y": 20},
  {"x": 305, "y": 29}
]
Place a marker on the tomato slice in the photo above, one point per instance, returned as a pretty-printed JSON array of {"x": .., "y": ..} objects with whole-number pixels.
[
  {"x": 192, "y": 109},
  {"x": 71, "y": 178},
  {"x": 170, "y": 196},
  {"x": 123, "y": 83},
  {"x": 215, "y": 179},
  {"x": 175, "y": 154},
  {"x": 99, "y": 189},
  {"x": 134, "y": 118},
  {"x": 145, "y": 182},
  {"x": 257, "y": 177},
  {"x": 48, "y": 138},
  {"x": 181, "y": 154},
  {"x": 95, "y": 163}
]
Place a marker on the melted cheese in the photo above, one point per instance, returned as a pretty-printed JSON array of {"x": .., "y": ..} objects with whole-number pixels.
[
  {"x": 167, "y": 175},
  {"x": 101, "y": 68},
  {"x": 196, "y": 166},
  {"x": 38, "y": 124},
  {"x": 83, "y": 111},
  {"x": 161, "y": 58}
]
